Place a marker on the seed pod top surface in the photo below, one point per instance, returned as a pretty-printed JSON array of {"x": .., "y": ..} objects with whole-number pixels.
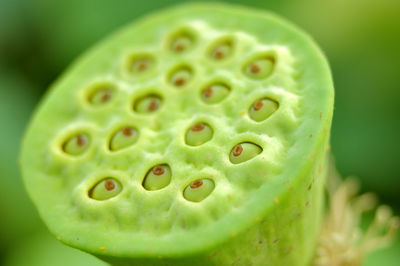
[{"x": 153, "y": 64}]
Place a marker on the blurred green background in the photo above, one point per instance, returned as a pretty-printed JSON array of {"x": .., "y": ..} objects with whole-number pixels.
[{"x": 40, "y": 38}]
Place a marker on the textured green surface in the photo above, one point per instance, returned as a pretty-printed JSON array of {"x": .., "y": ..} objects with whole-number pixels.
[{"x": 274, "y": 198}]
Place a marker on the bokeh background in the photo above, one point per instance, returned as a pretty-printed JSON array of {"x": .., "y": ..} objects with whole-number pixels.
[{"x": 40, "y": 38}]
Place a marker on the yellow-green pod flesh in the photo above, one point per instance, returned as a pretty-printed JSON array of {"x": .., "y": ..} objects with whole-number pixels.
[{"x": 264, "y": 209}]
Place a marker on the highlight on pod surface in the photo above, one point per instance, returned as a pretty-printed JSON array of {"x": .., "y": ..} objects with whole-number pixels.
[{"x": 194, "y": 136}]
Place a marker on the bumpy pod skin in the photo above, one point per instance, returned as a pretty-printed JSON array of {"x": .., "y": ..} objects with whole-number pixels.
[{"x": 263, "y": 211}]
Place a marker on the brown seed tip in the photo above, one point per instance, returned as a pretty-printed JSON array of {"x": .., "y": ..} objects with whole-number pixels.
[
  {"x": 80, "y": 140},
  {"x": 153, "y": 105},
  {"x": 197, "y": 183},
  {"x": 179, "y": 47},
  {"x": 109, "y": 185},
  {"x": 179, "y": 82},
  {"x": 237, "y": 150},
  {"x": 208, "y": 92},
  {"x": 127, "y": 131},
  {"x": 142, "y": 66},
  {"x": 158, "y": 170},
  {"x": 198, "y": 127},
  {"x": 106, "y": 96},
  {"x": 254, "y": 68},
  {"x": 258, "y": 105},
  {"x": 218, "y": 54}
]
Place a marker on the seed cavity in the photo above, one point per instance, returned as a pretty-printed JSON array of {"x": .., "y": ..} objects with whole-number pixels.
[
  {"x": 198, "y": 190},
  {"x": 123, "y": 138},
  {"x": 198, "y": 134},
  {"x": 105, "y": 189},
  {"x": 182, "y": 42},
  {"x": 260, "y": 68},
  {"x": 215, "y": 93},
  {"x": 76, "y": 145},
  {"x": 262, "y": 109},
  {"x": 181, "y": 76},
  {"x": 101, "y": 94},
  {"x": 243, "y": 152},
  {"x": 157, "y": 177},
  {"x": 148, "y": 104},
  {"x": 222, "y": 50},
  {"x": 140, "y": 64}
]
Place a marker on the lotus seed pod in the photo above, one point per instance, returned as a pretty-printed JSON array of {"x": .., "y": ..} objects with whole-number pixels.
[
  {"x": 262, "y": 109},
  {"x": 157, "y": 178},
  {"x": 105, "y": 189},
  {"x": 236, "y": 190},
  {"x": 198, "y": 134},
  {"x": 215, "y": 93},
  {"x": 198, "y": 190},
  {"x": 243, "y": 152},
  {"x": 123, "y": 138}
]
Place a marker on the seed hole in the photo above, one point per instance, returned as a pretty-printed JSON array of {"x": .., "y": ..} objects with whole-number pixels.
[
  {"x": 123, "y": 138},
  {"x": 157, "y": 177},
  {"x": 215, "y": 93},
  {"x": 181, "y": 42},
  {"x": 181, "y": 76},
  {"x": 101, "y": 94},
  {"x": 243, "y": 152},
  {"x": 198, "y": 189},
  {"x": 140, "y": 64},
  {"x": 76, "y": 145},
  {"x": 222, "y": 49},
  {"x": 105, "y": 189},
  {"x": 148, "y": 104},
  {"x": 198, "y": 134},
  {"x": 262, "y": 109},
  {"x": 260, "y": 68}
]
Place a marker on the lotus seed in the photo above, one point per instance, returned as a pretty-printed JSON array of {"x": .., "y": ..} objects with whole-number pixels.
[
  {"x": 158, "y": 177},
  {"x": 76, "y": 145},
  {"x": 123, "y": 138},
  {"x": 141, "y": 64},
  {"x": 262, "y": 109},
  {"x": 215, "y": 93},
  {"x": 181, "y": 43},
  {"x": 181, "y": 77},
  {"x": 222, "y": 51},
  {"x": 148, "y": 104},
  {"x": 101, "y": 97},
  {"x": 198, "y": 134},
  {"x": 105, "y": 189},
  {"x": 260, "y": 68},
  {"x": 198, "y": 190},
  {"x": 243, "y": 152}
]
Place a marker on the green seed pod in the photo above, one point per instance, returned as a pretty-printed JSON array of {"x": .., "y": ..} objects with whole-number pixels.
[
  {"x": 262, "y": 109},
  {"x": 148, "y": 104},
  {"x": 180, "y": 77},
  {"x": 105, "y": 189},
  {"x": 76, "y": 145},
  {"x": 263, "y": 208},
  {"x": 198, "y": 134},
  {"x": 158, "y": 177},
  {"x": 123, "y": 138},
  {"x": 215, "y": 93},
  {"x": 198, "y": 190},
  {"x": 260, "y": 68},
  {"x": 243, "y": 152}
]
